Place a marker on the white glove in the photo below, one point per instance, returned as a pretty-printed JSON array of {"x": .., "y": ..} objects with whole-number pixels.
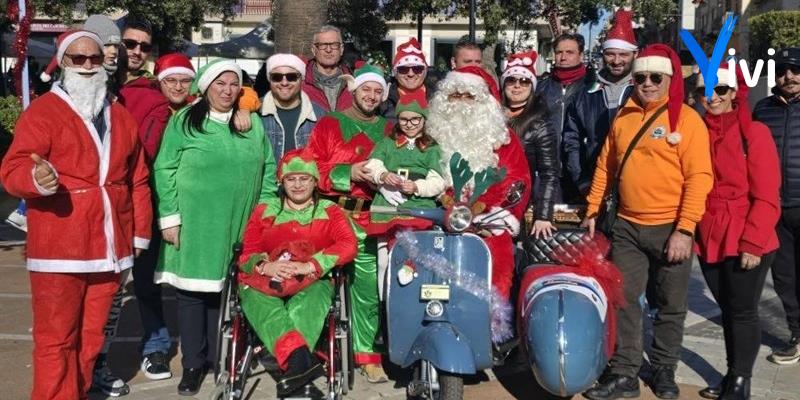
[
  {"x": 394, "y": 197},
  {"x": 505, "y": 221}
]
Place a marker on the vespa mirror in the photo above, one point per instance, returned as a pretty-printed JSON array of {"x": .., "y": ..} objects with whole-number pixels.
[{"x": 515, "y": 194}]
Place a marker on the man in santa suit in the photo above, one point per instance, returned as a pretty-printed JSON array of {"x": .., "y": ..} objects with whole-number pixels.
[
  {"x": 466, "y": 117},
  {"x": 77, "y": 161}
]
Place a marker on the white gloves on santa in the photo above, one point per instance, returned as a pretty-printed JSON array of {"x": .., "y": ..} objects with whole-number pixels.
[
  {"x": 393, "y": 196},
  {"x": 501, "y": 221}
]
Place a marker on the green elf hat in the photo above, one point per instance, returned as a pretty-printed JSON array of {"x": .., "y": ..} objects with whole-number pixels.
[
  {"x": 366, "y": 73},
  {"x": 207, "y": 73},
  {"x": 414, "y": 102},
  {"x": 297, "y": 161}
]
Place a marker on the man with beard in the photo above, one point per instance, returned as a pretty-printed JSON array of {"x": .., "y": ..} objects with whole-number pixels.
[
  {"x": 341, "y": 144},
  {"x": 322, "y": 83},
  {"x": 410, "y": 72},
  {"x": 466, "y": 117},
  {"x": 590, "y": 114},
  {"x": 781, "y": 113},
  {"x": 77, "y": 161}
]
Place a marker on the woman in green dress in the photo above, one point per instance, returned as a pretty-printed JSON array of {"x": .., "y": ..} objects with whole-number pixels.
[{"x": 208, "y": 177}]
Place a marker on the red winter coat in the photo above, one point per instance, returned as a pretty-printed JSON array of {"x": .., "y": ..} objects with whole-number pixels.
[
  {"x": 101, "y": 208},
  {"x": 149, "y": 108},
  {"x": 317, "y": 95},
  {"x": 743, "y": 207}
]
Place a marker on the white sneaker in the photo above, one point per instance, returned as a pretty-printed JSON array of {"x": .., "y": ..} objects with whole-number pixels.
[
  {"x": 18, "y": 220},
  {"x": 156, "y": 367}
]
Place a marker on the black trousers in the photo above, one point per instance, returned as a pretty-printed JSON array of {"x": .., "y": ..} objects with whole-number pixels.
[
  {"x": 198, "y": 315},
  {"x": 638, "y": 251},
  {"x": 738, "y": 291},
  {"x": 785, "y": 274},
  {"x": 148, "y": 296}
]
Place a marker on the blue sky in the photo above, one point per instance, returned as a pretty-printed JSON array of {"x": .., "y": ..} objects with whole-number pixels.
[{"x": 596, "y": 28}]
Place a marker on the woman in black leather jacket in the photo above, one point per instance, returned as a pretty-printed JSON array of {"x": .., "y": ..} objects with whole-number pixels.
[{"x": 529, "y": 118}]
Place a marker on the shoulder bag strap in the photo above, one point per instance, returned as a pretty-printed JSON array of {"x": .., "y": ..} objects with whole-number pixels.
[{"x": 636, "y": 140}]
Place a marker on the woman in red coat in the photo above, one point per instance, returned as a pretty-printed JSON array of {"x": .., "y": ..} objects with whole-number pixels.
[{"x": 736, "y": 239}]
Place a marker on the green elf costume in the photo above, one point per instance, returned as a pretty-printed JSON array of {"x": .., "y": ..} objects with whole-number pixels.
[
  {"x": 208, "y": 183},
  {"x": 289, "y": 323},
  {"x": 339, "y": 140},
  {"x": 417, "y": 159}
]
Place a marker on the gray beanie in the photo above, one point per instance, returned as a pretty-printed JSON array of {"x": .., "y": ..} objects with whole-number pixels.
[{"x": 104, "y": 27}]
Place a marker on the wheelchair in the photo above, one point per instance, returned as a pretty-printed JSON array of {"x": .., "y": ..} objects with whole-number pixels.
[{"x": 238, "y": 345}]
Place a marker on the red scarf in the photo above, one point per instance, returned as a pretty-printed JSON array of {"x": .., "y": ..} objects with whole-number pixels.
[{"x": 569, "y": 75}]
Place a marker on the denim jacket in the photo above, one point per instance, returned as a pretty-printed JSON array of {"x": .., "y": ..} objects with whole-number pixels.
[{"x": 309, "y": 114}]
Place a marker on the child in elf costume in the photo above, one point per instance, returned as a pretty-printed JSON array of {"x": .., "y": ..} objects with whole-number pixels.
[{"x": 290, "y": 244}]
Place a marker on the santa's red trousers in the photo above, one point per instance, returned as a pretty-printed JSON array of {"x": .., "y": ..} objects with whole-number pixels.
[
  {"x": 502, "y": 249},
  {"x": 69, "y": 312}
]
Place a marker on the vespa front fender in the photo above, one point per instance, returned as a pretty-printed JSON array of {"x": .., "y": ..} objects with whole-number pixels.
[{"x": 445, "y": 348}]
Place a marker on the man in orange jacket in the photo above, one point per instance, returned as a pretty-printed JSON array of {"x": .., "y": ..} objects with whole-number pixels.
[{"x": 662, "y": 194}]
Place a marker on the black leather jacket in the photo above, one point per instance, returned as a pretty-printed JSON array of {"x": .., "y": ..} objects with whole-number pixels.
[
  {"x": 558, "y": 97},
  {"x": 541, "y": 148},
  {"x": 783, "y": 119}
]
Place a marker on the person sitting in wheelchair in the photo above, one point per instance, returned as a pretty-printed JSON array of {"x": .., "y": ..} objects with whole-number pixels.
[{"x": 290, "y": 244}]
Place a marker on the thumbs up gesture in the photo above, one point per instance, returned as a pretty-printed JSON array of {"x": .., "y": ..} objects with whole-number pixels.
[{"x": 44, "y": 174}]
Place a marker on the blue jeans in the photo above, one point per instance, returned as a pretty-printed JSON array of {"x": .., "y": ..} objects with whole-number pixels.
[{"x": 148, "y": 295}]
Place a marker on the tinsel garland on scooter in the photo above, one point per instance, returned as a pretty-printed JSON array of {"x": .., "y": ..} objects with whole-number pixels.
[{"x": 467, "y": 281}]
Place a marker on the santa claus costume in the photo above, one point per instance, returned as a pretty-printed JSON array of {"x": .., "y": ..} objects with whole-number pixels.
[
  {"x": 466, "y": 118},
  {"x": 82, "y": 234},
  {"x": 288, "y": 316},
  {"x": 339, "y": 140}
]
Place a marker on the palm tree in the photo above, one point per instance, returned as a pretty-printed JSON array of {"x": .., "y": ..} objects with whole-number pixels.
[{"x": 295, "y": 22}]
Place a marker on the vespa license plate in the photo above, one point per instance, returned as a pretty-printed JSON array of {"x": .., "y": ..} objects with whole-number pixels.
[{"x": 435, "y": 292}]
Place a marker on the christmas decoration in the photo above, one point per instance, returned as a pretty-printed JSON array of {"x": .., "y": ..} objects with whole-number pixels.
[{"x": 20, "y": 44}]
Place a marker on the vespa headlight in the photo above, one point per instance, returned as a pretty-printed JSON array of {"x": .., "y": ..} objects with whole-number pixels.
[
  {"x": 434, "y": 309},
  {"x": 459, "y": 218}
]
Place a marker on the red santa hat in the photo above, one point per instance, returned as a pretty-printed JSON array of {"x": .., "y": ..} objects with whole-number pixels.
[
  {"x": 723, "y": 76},
  {"x": 475, "y": 76},
  {"x": 621, "y": 36},
  {"x": 409, "y": 53},
  {"x": 62, "y": 43},
  {"x": 660, "y": 58},
  {"x": 521, "y": 64},
  {"x": 173, "y": 63}
]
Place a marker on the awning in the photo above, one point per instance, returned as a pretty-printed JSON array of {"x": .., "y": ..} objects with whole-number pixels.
[{"x": 253, "y": 45}]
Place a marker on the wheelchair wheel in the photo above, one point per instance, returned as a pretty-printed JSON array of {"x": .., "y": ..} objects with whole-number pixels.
[
  {"x": 225, "y": 329},
  {"x": 345, "y": 337}
]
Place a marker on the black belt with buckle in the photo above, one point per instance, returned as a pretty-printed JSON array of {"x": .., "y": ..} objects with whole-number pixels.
[{"x": 352, "y": 204}]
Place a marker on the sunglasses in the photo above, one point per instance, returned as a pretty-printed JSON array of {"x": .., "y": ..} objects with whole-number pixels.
[
  {"x": 655, "y": 78},
  {"x": 461, "y": 96},
  {"x": 291, "y": 77},
  {"x": 80, "y": 59},
  {"x": 131, "y": 44},
  {"x": 511, "y": 81},
  {"x": 418, "y": 69},
  {"x": 780, "y": 70}
]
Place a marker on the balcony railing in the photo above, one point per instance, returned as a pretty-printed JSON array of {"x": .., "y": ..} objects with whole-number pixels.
[{"x": 254, "y": 7}]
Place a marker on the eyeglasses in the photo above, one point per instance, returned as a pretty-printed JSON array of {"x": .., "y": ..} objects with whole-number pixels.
[
  {"x": 781, "y": 69},
  {"x": 131, "y": 44},
  {"x": 326, "y": 46},
  {"x": 302, "y": 179},
  {"x": 460, "y": 96},
  {"x": 80, "y": 59},
  {"x": 655, "y": 78},
  {"x": 278, "y": 78},
  {"x": 418, "y": 69},
  {"x": 174, "y": 82},
  {"x": 413, "y": 121},
  {"x": 719, "y": 90},
  {"x": 511, "y": 81}
]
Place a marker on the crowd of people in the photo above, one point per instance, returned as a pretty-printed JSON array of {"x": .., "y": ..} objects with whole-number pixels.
[{"x": 160, "y": 173}]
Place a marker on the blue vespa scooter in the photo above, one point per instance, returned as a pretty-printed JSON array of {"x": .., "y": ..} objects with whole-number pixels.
[{"x": 434, "y": 325}]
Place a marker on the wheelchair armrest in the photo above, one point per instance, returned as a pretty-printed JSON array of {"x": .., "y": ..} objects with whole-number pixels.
[{"x": 539, "y": 251}]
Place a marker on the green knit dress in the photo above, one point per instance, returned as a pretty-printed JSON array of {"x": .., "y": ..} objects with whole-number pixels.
[{"x": 208, "y": 183}]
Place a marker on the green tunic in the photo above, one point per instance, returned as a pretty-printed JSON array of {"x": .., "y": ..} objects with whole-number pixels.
[{"x": 208, "y": 183}]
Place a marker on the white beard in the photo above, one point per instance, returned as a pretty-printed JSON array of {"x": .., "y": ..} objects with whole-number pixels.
[
  {"x": 475, "y": 130},
  {"x": 87, "y": 94}
]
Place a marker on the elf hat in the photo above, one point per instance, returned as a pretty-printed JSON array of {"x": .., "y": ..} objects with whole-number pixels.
[
  {"x": 297, "y": 161},
  {"x": 414, "y": 102},
  {"x": 366, "y": 73},
  {"x": 173, "y": 63},
  {"x": 621, "y": 36},
  {"x": 62, "y": 43},
  {"x": 475, "y": 77},
  {"x": 207, "y": 73},
  {"x": 409, "y": 53},
  {"x": 521, "y": 64},
  {"x": 660, "y": 58},
  {"x": 286, "y": 60}
]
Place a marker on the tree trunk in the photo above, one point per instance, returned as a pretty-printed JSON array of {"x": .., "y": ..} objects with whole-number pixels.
[{"x": 295, "y": 22}]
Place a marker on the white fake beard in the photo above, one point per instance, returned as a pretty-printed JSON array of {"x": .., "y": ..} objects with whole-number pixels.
[
  {"x": 88, "y": 94},
  {"x": 475, "y": 129}
]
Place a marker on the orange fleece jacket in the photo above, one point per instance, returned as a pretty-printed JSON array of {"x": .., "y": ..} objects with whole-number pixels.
[{"x": 661, "y": 182}]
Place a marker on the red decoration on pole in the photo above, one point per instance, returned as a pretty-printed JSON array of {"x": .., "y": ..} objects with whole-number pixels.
[{"x": 21, "y": 39}]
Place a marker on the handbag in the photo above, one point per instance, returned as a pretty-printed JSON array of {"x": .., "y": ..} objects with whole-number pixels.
[{"x": 608, "y": 213}]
